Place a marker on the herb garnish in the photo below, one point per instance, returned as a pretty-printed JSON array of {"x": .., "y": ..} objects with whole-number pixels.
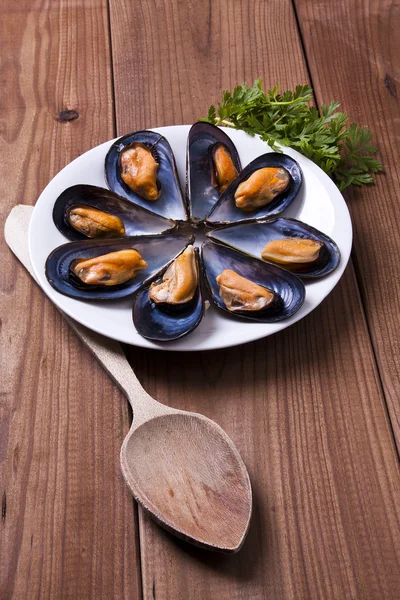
[{"x": 343, "y": 151}]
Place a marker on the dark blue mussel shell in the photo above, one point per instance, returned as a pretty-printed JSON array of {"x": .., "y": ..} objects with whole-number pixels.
[
  {"x": 226, "y": 211},
  {"x": 216, "y": 258},
  {"x": 137, "y": 220},
  {"x": 201, "y": 194},
  {"x": 162, "y": 324},
  {"x": 170, "y": 204},
  {"x": 157, "y": 250},
  {"x": 251, "y": 238}
]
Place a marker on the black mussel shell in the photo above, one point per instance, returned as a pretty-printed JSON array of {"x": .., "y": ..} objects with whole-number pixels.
[
  {"x": 170, "y": 204},
  {"x": 137, "y": 220},
  {"x": 157, "y": 250},
  {"x": 226, "y": 211},
  {"x": 216, "y": 258},
  {"x": 251, "y": 238},
  {"x": 163, "y": 323},
  {"x": 201, "y": 194}
]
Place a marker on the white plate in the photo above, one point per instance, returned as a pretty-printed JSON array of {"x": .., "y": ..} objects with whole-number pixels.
[{"x": 319, "y": 204}]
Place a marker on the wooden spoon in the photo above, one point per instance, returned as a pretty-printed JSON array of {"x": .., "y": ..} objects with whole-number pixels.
[{"x": 180, "y": 466}]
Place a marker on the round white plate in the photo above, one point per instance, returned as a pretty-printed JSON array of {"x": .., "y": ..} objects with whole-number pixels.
[{"x": 319, "y": 204}]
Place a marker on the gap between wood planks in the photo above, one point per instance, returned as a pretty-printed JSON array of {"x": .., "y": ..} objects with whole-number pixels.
[{"x": 110, "y": 45}]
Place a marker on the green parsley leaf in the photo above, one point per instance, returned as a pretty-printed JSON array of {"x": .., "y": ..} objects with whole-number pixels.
[{"x": 343, "y": 151}]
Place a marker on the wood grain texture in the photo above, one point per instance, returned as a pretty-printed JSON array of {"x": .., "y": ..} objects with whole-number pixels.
[
  {"x": 305, "y": 407},
  {"x": 68, "y": 525},
  {"x": 363, "y": 38},
  {"x": 172, "y": 59}
]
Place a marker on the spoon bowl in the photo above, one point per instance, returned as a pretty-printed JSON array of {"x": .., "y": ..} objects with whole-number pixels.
[{"x": 184, "y": 470}]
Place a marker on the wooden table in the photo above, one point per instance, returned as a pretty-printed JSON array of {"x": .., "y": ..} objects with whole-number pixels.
[{"x": 314, "y": 410}]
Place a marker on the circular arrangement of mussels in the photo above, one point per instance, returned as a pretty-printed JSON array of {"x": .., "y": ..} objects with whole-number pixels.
[{"x": 125, "y": 240}]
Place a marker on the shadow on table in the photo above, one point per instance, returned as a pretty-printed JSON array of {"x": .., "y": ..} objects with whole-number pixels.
[{"x": 241, "y": 565}]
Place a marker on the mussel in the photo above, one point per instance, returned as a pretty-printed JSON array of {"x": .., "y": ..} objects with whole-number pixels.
[
  {"x": 289, "y": 243},
  {"x": 295, "y": 254},
  {"x": 139, "y": 164},
  {"x": 94, "y": 223},
  {"x": 179, "y": 281},
  {"x": 265, "y": 187},
  {"x": 173, "y": 305},
  {"x": 212, "y": 164},
  {"x": 111, "y": 269},
  {"x": 256, "y": 290},
  {"x": 223, "y": 169},
  {"x": 261, "y": 188},
  {"x": 87, "y": 211},
  {"x": 141, "y": 167},
  {"x": 242, "y": 295}
]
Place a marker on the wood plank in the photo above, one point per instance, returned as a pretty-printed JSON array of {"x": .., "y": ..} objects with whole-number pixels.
[
  {"x": 172, "y": 59},
  {"x": 304, "y": 407},
  {"x": 364, "y": 76},
  {"x": 68, "y": 525}
]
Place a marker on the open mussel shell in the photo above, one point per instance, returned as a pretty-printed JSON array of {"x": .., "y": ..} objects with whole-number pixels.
[
  {"x": 157, "y": 250},
  {"x": 164, "y": 324},
  {"x": 251, "y": 238},
  {"x": 215, "y": 258},
  {"x": 201, "y": 194},
  {"x": 226, "y": 211},
  {"x": 170, "y": 204},
  {"x": 136, "y": 220}
]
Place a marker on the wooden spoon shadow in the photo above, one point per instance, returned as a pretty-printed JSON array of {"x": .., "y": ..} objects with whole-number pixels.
[{"x": 241, "y": 566}]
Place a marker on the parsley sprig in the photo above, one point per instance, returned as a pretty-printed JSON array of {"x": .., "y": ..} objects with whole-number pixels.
[{"x": 343, "y": 151}]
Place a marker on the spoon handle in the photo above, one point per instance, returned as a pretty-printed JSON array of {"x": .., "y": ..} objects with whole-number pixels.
[{"x": 108, "y": 352}]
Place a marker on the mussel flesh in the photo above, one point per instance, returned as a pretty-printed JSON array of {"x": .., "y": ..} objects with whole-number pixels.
[
  {"x": 179, "y": 282},
  {"x": 110, "y": 269},
  {"x": 173, "y": 305},
  {"x": 261, "y": 188},
  {"x": 224, "y": 171},
  {"x": 139, "y": 170},
  {"x": 95, "y": 223},
  {"x": 242, "y": 295},
  {"x": 293, "y": 253}
]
